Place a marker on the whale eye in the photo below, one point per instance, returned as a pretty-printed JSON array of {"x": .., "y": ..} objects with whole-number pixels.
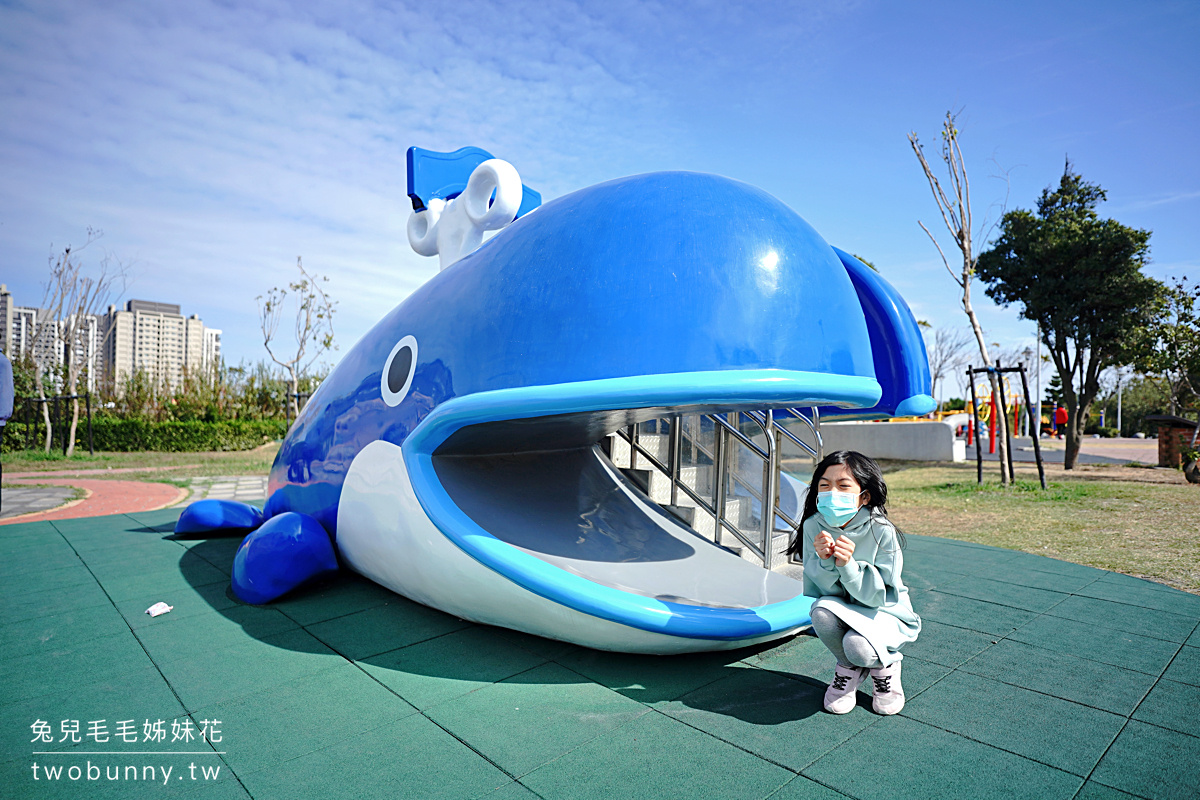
[{"x": 398, "y": 371}]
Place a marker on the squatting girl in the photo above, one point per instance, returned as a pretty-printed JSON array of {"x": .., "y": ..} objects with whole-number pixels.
[{"x": 852, "y": 564}]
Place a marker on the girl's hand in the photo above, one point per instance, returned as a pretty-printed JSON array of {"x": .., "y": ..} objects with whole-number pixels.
[
  {"x": 823, "y": 544},
  {"x": 843, "y": 548}
]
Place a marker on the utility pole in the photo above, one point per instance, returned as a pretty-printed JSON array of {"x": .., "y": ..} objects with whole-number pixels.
[
  {"x": 1037, "y": 432},
  {"x": 1119, "y": 428}
]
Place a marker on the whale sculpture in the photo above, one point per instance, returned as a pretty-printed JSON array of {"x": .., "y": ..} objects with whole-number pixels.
[{"x": 452, "y": 455}]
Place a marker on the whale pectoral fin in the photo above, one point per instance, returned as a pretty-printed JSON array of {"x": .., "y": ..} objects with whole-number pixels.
[
  {"x": 289, "y": 550},
  {"x": 901, "y": 364},
  {"x": 219, "y": 517}
]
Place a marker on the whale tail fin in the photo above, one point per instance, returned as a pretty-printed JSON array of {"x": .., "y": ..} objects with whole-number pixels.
[{"x": 897, "y": 347}]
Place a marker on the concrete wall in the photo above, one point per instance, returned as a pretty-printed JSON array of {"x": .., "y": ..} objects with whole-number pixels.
[{"x": 911, "y": 441}]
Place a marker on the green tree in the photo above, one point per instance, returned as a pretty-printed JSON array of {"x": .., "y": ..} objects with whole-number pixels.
[
  {"x": 1080, "y": 278},
  {"x": 1054, "y": 393},
  {"x": 1167, "y": 350},
  {"x": 863, "y": 260},
  {"x": 23, "y": 367}
]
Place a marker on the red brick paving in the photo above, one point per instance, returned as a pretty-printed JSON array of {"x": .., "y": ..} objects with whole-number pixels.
[{"x": 104, "y": 497}]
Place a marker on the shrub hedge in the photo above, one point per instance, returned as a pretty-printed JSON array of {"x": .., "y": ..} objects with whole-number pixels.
[
  {"x": 1106, "y": 432},
  {"x": 130, "y": 435}
]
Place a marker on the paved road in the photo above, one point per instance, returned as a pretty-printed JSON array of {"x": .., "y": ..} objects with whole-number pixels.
[
  {"x": 1092, "y": 451},
  {"x": 17, "y": 500},
  {"x": 244, "y": 488}
]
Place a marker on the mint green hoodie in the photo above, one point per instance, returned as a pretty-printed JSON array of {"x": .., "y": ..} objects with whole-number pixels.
[{"x": 870, "y": 583}]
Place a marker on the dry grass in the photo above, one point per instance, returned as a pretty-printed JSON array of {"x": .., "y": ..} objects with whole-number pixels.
[{"x": 1141, "y": 522}]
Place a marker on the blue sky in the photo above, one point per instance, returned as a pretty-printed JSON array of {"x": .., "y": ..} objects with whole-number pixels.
[{"x": 214, "y": 142}]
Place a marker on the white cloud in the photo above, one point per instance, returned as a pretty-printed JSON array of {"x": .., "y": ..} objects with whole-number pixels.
[{"x": 215, "y": 143}]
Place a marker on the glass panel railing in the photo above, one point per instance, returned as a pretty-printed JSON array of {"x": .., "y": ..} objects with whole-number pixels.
[
  {"x": 724, "y": 466},
  {"x": 697, "y": 449},
  {"x": 744, "y": 483}
]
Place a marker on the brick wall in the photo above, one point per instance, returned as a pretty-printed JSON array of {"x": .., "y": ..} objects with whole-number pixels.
[{"x": 1171, "y": 442}]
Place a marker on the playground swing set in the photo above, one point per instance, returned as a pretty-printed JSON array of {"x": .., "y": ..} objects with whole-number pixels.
[{"x": 987, "y": 412}]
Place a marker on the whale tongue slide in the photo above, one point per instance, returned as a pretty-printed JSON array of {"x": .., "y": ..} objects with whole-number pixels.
[{"x": 574, "y": 509}]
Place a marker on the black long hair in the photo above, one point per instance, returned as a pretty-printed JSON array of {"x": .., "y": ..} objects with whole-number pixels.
[{"x": 868, "y": 475}]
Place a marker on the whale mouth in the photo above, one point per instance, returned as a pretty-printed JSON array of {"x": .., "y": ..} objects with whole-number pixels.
[
  {"x": 515, "y": 479},
  {"x": 575, "y": 510}
]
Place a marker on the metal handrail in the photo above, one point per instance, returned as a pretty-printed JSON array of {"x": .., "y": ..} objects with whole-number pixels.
[
  {"x": 767, "y": 503},
  {"x": 735, "y": 476},
  {"x": 771, "y": 490},
  {"x": 644, "y": 452},
  {"x": 765, "y": 455},
  {"x": 814, "y": 425},
  {"x": 673, "y": 456},
  {"x": 741, "y": 436},
  {"x": 666, "y": 468},
  {"x": 779, "y": 512},
  {"x": 698, "y": 499},
  {"x": 768, "y": 498},
  {"x": 800, "y": 442}
]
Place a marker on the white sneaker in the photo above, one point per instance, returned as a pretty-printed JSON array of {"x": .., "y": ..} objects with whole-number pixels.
[
  {"x": 889, "y": 694},
  {"x": 841, "y": 696}
]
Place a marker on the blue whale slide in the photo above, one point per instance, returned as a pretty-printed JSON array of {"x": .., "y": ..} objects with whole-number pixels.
[{"x": 452, "y": 455}]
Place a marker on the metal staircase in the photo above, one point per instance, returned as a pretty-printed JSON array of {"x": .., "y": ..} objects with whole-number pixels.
[{"x": 712, "y": 472}]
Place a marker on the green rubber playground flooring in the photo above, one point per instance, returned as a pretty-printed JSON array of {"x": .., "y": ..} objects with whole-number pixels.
[{"x": 1033, "y": 678}]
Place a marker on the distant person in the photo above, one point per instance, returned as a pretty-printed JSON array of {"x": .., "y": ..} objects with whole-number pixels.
[
  {"x": 1060, "y": 419},
  {"x": 6, "y": 403},
  {"x": 863, "y": 614}
]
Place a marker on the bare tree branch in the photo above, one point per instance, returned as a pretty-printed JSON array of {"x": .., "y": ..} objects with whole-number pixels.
[
  {"x": 84, "y": 298},
  {"x": 67, "y": 297},
  {"x": 313, "y": 326},
  {"x": 945, "y": 261},
  {"x": 956, "y": 214},
  {"x": 946, "y": 354}
]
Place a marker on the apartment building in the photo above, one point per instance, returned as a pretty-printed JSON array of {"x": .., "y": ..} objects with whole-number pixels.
[
  {"x": 156, "y": 339},
  {"x": 151, "y": 337},
  {"x": 211, "y": 352},
  {"x": 19, "y": 335},
  {"x": 18, "y": 324}
]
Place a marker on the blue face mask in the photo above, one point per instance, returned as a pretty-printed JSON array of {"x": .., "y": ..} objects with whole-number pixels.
[{"x": 837, "y": 507}]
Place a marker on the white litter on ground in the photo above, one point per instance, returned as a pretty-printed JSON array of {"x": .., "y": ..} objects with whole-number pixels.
[{"x": 158, "y": 609}]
